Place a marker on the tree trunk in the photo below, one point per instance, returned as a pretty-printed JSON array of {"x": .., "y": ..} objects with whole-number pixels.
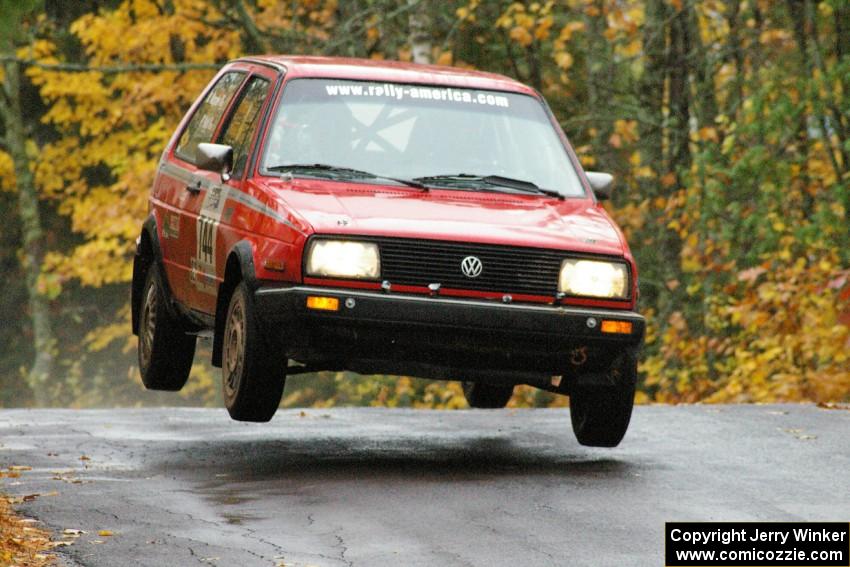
[
  {"x": 679, "y": 67},
  {"x": 704, "y": 71},
  {"x": 32, "y": 236},
  {"x": 842, "y": 30},
  {"x": 419, "y": 22},
  {"x": 651, "y": 92},
  {"x": 734, "y": 20},
  {"x": 803, "y": 20},
  {"x": 599, "y": 85}
]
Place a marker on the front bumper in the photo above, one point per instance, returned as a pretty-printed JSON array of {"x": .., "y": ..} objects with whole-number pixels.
[{"x": 440, "y": 337}]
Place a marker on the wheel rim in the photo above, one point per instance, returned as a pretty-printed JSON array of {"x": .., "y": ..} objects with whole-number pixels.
[
  {"x": 234, "y": 352},
  {"x": 148, "y": 325}
]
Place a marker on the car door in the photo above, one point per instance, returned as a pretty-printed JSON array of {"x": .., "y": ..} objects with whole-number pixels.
[
  {"x": 182, "y": 189},
  {"x": 228, "y": 212}
]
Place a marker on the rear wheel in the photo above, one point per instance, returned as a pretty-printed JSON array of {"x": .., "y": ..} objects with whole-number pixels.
[
  {"x": 165, "y": 349},
  {"x": 600, "y": 414},
  {"x": 487, "y": 396},
  {"x": 253, "y": 380}
]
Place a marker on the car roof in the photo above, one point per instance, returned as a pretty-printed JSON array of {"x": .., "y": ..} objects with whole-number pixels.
[{"x": 390, "y": 71}]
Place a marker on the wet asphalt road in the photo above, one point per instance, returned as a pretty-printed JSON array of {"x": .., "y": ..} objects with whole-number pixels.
[{"x": 379, "y": 487}]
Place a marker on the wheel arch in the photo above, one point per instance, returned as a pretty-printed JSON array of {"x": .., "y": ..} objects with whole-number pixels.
[
  {"x": 148, "y": 251},
  {"x": 238, "y": 267}
]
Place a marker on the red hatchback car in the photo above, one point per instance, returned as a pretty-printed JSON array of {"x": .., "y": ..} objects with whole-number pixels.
[{"x": 385, "y": 218}]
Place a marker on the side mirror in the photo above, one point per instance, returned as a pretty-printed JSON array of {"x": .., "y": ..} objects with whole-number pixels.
[
  {"x": 601, "y": 183},
  {"x": 217, "y": 158}
]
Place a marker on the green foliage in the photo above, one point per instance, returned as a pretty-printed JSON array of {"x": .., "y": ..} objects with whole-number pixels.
[{"x": 12, "y": 12}]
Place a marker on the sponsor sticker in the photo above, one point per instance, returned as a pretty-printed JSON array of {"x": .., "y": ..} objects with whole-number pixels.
[
  {"x": 172, "y": 226},
  {"x": 206, "y": 233}
]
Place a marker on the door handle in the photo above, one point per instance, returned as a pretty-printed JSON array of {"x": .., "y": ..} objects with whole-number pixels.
[{"x": 196, "y": 188}]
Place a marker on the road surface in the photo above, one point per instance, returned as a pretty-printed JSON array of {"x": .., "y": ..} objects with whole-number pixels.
[{"x": 380, "y": 487}]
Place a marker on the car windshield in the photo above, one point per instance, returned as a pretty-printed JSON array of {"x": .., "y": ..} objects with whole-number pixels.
[{"x": 444, "y": 137}]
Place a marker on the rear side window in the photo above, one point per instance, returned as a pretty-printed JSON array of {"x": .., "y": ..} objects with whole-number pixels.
[
  {"x": 202, "y": 125},
  {"x": 242, "y": 123}
]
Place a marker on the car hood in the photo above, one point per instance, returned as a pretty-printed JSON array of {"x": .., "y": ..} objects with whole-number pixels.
[{"x": 331, "y": 207}]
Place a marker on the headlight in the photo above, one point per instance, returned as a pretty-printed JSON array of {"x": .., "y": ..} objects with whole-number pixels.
[
  {"x": 594, "y": 278},
  {"x": 344, "y": 259}
]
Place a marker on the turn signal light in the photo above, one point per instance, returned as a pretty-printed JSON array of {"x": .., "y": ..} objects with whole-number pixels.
[
  {"x": 322, "y": 303},
  {"x": 617, "y": 327},
  {"x": 274, "y": 265}
]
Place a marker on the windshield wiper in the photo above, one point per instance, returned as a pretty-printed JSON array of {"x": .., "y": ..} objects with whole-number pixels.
[
  {"x": 493, "y": 180},
  {"x": 356, "y": 173}
]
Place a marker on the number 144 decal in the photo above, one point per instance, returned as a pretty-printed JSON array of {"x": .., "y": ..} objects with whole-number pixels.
[{"x": 204, "y": 262}]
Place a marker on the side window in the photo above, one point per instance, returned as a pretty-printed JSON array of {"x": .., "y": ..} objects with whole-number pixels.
[
  {"x": 242, "y": 123},
  {"x": 202, "y": 125}
]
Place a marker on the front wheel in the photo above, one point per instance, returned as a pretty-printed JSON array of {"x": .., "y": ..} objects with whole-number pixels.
[
  {"x": 487, "y": 396},
  {"x": 600, "y": 414},
  {"x": 166, "y": 351},
  {"x": 253, "y": 380}
]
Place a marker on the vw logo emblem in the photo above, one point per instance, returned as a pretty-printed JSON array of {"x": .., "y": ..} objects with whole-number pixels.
[{"x": 471, "y": 267}]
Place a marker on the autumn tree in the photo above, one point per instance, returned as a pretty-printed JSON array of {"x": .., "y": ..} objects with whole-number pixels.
[{"x": 16, "y": 140}]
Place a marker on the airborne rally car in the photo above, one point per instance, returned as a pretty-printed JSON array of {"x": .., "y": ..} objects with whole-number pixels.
[{"x": 385, "y": 218}]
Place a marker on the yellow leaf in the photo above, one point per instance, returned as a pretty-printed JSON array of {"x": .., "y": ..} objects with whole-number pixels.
[
  {"x": 708, "y": 133},
  {"x": 445, "y": 58},
  {"x": 568, "y": 30},
  {"x": 521, "y": 36},
  {"x": 564, "y": 60}
]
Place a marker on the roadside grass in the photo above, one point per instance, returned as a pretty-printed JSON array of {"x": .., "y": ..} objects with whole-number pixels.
[{"x": 22, "y": 544}]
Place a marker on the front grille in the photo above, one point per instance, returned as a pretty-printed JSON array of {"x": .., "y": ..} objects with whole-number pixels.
[{"x": 506, "y": 269}]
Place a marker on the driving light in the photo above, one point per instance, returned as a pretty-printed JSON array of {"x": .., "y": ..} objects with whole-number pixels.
[
  {"x": 594, "y": 278},
  {"x": 346, "y": 259},
  {"x": 322, "y": 303},
  {"x": 617, "y": 327}
]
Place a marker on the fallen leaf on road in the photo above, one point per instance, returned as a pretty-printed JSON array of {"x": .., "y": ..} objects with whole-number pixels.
[
  {"x": 20, "y": 468},
  {"x": 105, "y": 533},
  {"x": 72, "y": 532},
  {"x": 68, "y": 479},
  {"x": 20, "y": 544},
  {"x": 798, "y": 433},
  {"x": 833, "y": 405}
]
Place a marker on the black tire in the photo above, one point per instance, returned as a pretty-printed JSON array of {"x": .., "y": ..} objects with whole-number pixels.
[
  {"x": 252, "y": 380},
  {"x": 600, "y": 414},
  {"x": 487, "y": 396},
  {"x": 165, "y": 350}
]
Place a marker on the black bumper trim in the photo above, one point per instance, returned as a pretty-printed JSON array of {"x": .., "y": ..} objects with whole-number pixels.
[{"x": 288, "y": 305}]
